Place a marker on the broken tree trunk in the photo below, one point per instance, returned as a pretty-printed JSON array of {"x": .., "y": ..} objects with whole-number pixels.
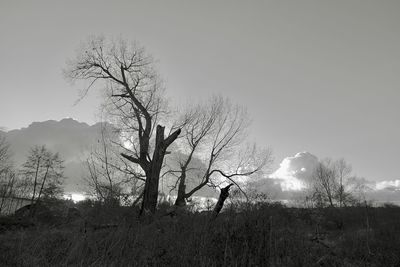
[
  {"x": 221, "y": 200},
  {"x": 150, "y": 195}
]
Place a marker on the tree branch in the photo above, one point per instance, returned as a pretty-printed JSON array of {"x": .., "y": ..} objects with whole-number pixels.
[{"x": 130, "y": 158}]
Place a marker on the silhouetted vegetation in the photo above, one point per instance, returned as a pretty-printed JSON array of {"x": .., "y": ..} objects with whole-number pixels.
[{"x": 259, "y": 234}]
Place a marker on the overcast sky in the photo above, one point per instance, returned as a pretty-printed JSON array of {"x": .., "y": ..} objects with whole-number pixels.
[{"x": 317, "y": 76}]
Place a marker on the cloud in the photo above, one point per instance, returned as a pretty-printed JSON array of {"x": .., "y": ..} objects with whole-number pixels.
[
  {"x": 393, "y": 185},
  {"x": 295, "y": 172},
  {"x": 292, "y": 177}
]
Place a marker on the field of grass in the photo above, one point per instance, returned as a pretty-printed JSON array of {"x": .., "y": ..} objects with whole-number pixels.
[{"x": 263, "y": 234}]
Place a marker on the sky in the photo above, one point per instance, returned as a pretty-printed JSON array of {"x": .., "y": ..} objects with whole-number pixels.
[{"x": 316, "y": 76}]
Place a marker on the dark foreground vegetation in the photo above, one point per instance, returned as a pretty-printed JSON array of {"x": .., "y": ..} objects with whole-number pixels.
[{"x": 261, "y": 234}]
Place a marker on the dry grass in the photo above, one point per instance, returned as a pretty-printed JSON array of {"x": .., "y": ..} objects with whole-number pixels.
[{"x": 253, "y": 235}]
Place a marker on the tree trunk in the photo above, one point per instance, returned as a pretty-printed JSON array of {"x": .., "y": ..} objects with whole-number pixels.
[
  {"x": 330, "y": 200},
  {"x": 221, "y": 200},
  {"x": 181, "y": 198},
  {"x": 35, "y": 182},
  {"x": 43, "y": 182},
  {"x": 150, "y": 196}
]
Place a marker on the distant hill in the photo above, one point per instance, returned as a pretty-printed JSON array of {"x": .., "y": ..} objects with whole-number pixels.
[{"x": 74, "y": 140}]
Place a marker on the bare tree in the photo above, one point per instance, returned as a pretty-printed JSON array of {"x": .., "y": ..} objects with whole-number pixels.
[
  {"x": 135, "y": 101},
  {"x": 358, "y": 187},
  {"x": 329, "y": 183},
  {"x": 325, "y": 183},
  {"x": 343, "y": 173},
  {"x": 44, "y": 171},
  {"x": 5, "y": 155},
  {"x": 215, "y": 133},
  {"x": 7, "y": 173}
]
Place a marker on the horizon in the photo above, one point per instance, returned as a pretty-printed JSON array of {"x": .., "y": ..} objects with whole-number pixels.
[{"x": 291, "y": 174}]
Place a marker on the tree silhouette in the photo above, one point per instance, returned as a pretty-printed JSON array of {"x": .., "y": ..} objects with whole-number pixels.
[
  {"x": 215, "y": 134},
  {"x": 135, "y": 101},
  {"x": 43, "y": 170}
]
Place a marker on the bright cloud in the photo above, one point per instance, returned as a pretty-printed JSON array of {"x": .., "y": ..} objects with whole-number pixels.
[
  {"x": 294, "y": 172},
  {"x": 390, "y": 185}
]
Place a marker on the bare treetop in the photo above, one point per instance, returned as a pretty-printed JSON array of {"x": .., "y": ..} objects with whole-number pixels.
[
  {"x": 134, "y": 91},
  {"x": 215, "y": 133}
]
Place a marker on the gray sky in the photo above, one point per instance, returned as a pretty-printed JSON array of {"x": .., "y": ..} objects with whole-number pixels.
[{"x": 317, "y": 76}]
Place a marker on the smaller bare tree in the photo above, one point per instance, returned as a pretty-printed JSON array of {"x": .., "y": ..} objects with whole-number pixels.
[
  {"x": 214, "y": 133},
  {"x": 44, "y": 172},
  {"x": 330, "y": 182},
  {"x": 343, "y": 173},
  {"x": 7, "y": 174}
]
